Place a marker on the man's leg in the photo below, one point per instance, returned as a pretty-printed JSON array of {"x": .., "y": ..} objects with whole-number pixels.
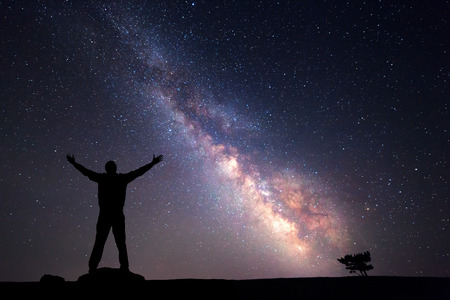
[
  {"x": 103, "y": 227},
  {"x": 118, "y": 230}
]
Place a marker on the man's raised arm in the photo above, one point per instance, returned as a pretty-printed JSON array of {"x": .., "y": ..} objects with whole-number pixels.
[
  {"x": 85, "y": 171},
  {"x": 142, "y": 170}
]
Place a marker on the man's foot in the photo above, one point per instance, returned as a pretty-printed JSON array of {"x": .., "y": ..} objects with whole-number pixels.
[
  {"x": 124, "y": 270},
  {"x": 92, "y": 270}
]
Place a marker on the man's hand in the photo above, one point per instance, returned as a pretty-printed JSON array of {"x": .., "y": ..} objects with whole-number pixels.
[
  {"x": 71, "y": 159},
  {"x": 157, "y": 159}
]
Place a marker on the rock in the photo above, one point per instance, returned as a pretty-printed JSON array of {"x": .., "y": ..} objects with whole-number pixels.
[
  {"x": 48, "y": 278},
  {"x": 110, "y": 275}
]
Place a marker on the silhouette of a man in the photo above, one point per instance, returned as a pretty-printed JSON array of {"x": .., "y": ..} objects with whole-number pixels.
[{"x": 111, "y": 199}]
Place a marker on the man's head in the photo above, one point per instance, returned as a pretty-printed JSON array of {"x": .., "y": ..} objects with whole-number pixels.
[{"x": 111, "y": 167}]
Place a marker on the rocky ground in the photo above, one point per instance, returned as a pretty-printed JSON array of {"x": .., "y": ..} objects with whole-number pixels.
[{"x": 108, "y": 282}]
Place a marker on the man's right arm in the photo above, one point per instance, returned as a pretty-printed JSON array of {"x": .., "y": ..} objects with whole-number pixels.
[
  {"x": 142, "y": 170},
  {"x": 83, "y": 170}
]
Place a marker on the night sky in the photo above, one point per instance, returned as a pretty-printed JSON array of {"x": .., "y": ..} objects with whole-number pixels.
[{"x": 293, "y": 133}]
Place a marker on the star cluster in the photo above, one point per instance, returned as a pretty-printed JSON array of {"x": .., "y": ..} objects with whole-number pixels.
[{"x": 293, "y": 133}]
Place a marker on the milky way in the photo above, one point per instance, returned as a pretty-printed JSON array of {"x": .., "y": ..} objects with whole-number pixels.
[
  {"x": 292, "y": 134},
  {"x": 279, "y": 211}
]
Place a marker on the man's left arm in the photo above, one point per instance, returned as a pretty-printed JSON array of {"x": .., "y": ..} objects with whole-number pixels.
[{"x": 85, "y": 171}]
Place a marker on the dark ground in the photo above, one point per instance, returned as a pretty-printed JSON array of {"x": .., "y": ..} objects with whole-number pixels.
[{"x": 290, "y": 288}]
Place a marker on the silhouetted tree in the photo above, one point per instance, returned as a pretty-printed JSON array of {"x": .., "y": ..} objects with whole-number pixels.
[{"x": 357, "y": 263}]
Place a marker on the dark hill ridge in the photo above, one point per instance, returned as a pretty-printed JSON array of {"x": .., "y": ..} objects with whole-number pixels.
[{"x": 112, "y": 282}]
